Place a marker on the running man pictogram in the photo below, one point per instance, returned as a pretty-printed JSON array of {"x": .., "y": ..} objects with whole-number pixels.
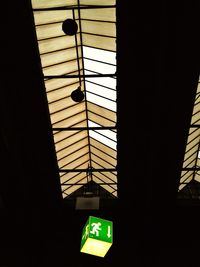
[{"x": 96, "y": 228}]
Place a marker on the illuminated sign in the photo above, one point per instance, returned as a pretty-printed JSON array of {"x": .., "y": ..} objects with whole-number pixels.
[{"x": 97, "y": 236}]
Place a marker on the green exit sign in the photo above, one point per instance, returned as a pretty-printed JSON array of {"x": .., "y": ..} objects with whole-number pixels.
[{"x": 97, "y": 236}]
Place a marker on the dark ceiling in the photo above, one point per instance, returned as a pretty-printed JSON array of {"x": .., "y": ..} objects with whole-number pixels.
[{"x": 158, "y": 68}]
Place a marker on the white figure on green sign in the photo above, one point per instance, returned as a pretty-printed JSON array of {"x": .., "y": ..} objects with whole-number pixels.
[{"x": 96, "y": 228}]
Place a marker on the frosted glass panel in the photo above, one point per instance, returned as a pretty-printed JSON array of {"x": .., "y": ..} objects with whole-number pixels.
[
  {"x": 106, "y": 137},
  {"x": 99, "y": 67},
  {"x": 99, "y": 54},
  {"x": 102, "y": 91},
  {"x": 101, "y": 101},
  {"x": 105, "y": 81}
]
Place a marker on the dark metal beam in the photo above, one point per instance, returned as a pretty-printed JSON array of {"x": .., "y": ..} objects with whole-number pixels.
[
  {"x": 77, "y": 76},
  {"x": 195, "y": 126},
  {"x": 90, "y": 170},
  {"x": 86, "y": 184},
  {"x": 85, "y": 92},
  {"x": 196, "y": 160},
  {"x": 77, "y": 53},
  {"x": 73, "y": 7},
  {"x": 85, "y": 128},
  {"x": 191, "y": 169}
]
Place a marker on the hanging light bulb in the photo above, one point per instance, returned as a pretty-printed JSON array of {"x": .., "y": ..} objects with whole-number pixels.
[
  {"x": 70, "y": 27},
  {"x": 77, "y": 95}
]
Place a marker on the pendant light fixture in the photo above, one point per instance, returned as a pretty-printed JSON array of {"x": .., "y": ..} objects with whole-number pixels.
[
  {"x": 77, "y": 95},
  {"x": 70, "y": 27}
]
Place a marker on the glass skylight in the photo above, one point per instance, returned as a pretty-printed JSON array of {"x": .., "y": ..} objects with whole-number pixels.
[
  {"x": 85, "y": 133},
  {"x": 192, "y": 155}
]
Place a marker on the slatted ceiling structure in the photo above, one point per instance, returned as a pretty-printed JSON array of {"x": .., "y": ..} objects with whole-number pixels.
[
  {"x": 52, "y": 86},
  {"x": 101, "y": 115},
  {"x": 84, "y": 133},
  {"x": 100, "y": 3},
  {"x": 191, "y": 162},
  {"x": 52, "y": 4},
  {"x": 102, "y": 22}
]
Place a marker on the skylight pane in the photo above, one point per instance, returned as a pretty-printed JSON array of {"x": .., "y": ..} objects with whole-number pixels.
[
  {"x": 99, "y": 67},
  {"x": 99, "y": 90},
  {"x": 99, "y": 54},
  {"x": 101, "y": 101},
  {"x": 107, "y": 14},
  {"x": 55, "y": 3},
  {"x": 96, "y": 2},
  {"x": 110, "y": 134},
  {"x": 102, "y": 139},
  {"x": 104, "y": 81},
  {"x": 100, "y": 136}
]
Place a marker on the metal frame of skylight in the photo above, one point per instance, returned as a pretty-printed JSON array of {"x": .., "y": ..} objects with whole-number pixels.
[
  {"x": 74, "y": 7},
  {"x": 190, "y": 163},
  {"x": 79, "y": 76}
]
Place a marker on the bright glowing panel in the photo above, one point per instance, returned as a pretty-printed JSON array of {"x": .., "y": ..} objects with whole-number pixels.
[
  {"x": 96, "y": 247},
  {"x": 97, "y": 236},
  {"x": 102, "y": 91},
  {"x": 105, "y": 136},
  {"x": 106, "y": 103},
  {"x": 99, "y": 54},
  {"x": 99, "y": 67}
]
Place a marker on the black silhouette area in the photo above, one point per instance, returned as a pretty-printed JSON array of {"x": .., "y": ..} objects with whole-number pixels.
[
  {"x": 70, "y": 27},
  {"x": 158, "y": 62},
  {"x": 77, "y": 95}
]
